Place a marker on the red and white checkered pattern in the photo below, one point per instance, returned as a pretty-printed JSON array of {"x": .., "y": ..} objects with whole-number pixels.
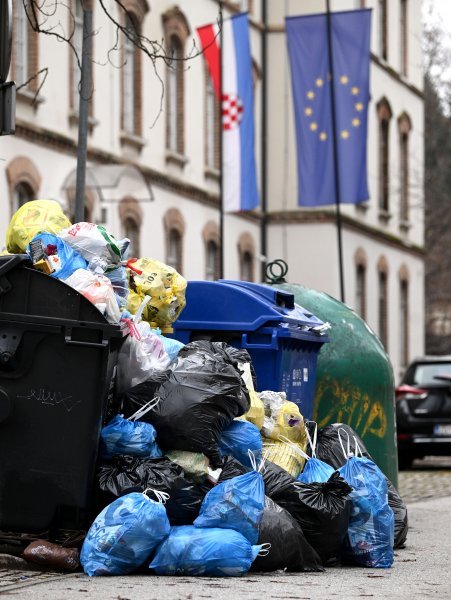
[{"x": 232, "y": 111}]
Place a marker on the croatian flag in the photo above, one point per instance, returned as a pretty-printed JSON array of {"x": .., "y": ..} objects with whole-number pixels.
[{"x": 239, "y": 178}]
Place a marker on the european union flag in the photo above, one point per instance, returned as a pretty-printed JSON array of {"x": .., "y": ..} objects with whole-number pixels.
[{"x": 311, "y": 78}]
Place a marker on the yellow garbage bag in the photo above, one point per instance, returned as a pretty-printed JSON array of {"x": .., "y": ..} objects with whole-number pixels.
[
  {"x": 32, "y": 218},
  {"x": 284, "y": 455},
  {"x": 166, "y": 288},
  {"x": 282, "y": 418}
]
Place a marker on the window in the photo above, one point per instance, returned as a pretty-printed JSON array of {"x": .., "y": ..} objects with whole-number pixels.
[
  {"x": 210, "y": 234},
  {"x": 131, "y": 216},
  {"x": 133, "y": 15},
  {"x": 77, "y": 41},
  {"x": 22, "y": 193},
  {"x": 383, "y": 29},
  {"x": 175, "y": 97},
  {"x": 403, "y": 37},
  {"x": 174, "y": 225},
  {"x": 211, "y": 124},
  {"x": 129, "y": 79},
  {"x": 383, "y": 302},
  {"x": 24, "y": 182},
  {"x": 404, "y": 321},
  {"x": 176, "y": 31},
  {"x": 360, "y": 291},
  {"x": 404, "y": 126},
  {"x": 21, "y": 44},
  {"x": 212, "y": 270},
  {"x": 246, "y": 250},
  {"x": 384, "y": 115}
]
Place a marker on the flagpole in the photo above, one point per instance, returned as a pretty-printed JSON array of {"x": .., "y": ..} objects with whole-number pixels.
[
  {"x": 335, "y": 150},
  {"x": 221, "y": 148}
]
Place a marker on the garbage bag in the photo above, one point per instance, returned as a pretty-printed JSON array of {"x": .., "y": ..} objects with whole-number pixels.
[
  {"x": 329, "y": 450},
  {"x": 211, "y": 552},
  {"x": 123, "y": 535},
  {"x": 235, "y": 504},
  {"x": 125, "y": 474},
  {"x": 194, "y": 464},
  {"x": 63, "y": 259},
  {"x": 171, "y": 346},
  {"x": 322, "y": 509},
  {"x": 369, "y": 542},
  {"x": 315, "y": 470},
  {"x": 93, "y": 242},
  {"x": 289, "y": 549},
  {"x": 98, "y": 290},
  {"x": 165, "y": 287},
  {"x": 53, "y": 556},
  {"x": 199, "y": 396},
  {"x": 134, "y": 438},
  {"x": 32, "y": 218},
  {"x": 256, "y": 412},
  {"x": 231, "y": 467},
  {"x": 282, "y": 418},
  {"x": 283, "y": 455},
  {"x": 240, "y": 438}
]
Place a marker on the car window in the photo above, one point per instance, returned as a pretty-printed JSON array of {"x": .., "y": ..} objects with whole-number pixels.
[{"x": 425, "y": 374}]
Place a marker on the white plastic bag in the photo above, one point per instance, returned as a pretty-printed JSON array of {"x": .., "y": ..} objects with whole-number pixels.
[
  {"x": 93, "y": 242},
  {"x": 97, "y": 289}
]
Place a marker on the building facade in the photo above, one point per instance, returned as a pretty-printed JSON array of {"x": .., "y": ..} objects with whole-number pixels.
[{"x": 153, "y": 151}]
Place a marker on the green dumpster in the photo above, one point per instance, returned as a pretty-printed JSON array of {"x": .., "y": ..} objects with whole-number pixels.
[{"x": 355, "y": 383}]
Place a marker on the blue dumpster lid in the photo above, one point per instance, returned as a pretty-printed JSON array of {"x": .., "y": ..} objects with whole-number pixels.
[{"x": 241, "y": 305}]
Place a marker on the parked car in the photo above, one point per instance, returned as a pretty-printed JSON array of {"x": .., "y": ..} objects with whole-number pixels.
[{"x": 423, "y": 410}]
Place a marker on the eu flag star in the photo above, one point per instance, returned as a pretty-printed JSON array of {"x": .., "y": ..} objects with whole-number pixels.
[
  {"x": 359, "y": 106},
  {"x": 319, "y": 82},
  {"x": 323, "y": 136},
  {"x": 313, "y": 126},
  {"x": 354, "y": 90},
  {"x": 308, "y": 111},
  {"x": 344, "y": 134},
  {"x": 344, "y": 79},
  {"x": 310, "y": 95},
  {"x": 355, "y": 122}
]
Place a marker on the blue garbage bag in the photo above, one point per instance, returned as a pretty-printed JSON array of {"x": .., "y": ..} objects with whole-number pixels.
[
  {"x": 124, "y": 535},
  {"x": 212, "y": 552},
  {"x": 69, "y": 259},
  {"x": 370, "y": 537},
  {"x": 133, "y": 438},
  {"x": 171, "y": 346},
  {"x": 240, "y": 437},
  {"x": 237, "y": 503},
  {"x": 316, "y": 471}
]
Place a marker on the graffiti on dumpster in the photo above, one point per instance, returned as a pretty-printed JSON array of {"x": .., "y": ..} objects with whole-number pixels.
[
  {"x": 47, "y": 397},
  {"x": 347, "y": 403}
]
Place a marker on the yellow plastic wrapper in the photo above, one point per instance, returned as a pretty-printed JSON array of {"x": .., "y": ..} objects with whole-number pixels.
[
  {"x": 165, "y": 287},
  {"x": 282, "y": 418},
  {"x": 194, "y": 464},
  {"x": 284, "y": 456},
  {"x": 32, "y": 218}
]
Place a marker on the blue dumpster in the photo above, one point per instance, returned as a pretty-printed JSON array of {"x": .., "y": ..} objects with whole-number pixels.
[{"x": 282, "y": 338}]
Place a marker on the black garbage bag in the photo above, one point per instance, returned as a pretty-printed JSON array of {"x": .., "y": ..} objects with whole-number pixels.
[
  {"x": 322, "y": 509},
  {"x": 199, "y": 396},
  {"x": 329, "y": 450},
  {"x": 289, "y": 550},
  {"x": 125, "y": 474},
  {"x": 231, "y": 467}
]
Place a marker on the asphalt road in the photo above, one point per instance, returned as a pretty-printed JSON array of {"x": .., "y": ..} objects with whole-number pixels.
[{"x": 421, "y": 569}]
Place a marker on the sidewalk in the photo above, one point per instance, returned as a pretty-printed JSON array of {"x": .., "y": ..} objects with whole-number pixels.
[{"x": 421, "y": 570}]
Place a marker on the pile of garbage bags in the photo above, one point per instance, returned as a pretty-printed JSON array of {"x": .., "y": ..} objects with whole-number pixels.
[{"x": 199, "y": 472}]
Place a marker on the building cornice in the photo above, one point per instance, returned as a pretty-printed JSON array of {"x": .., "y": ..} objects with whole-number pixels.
[{"x": 321, "y": 217}]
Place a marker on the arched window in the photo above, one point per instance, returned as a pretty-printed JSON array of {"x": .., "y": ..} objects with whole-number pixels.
[
  {"x": 174, "y": 225},
  {"x": 212, "y": 251},
  {"x": 176, "y": 30},
  {"x": 404, "y": 316},
  {"x": 360, "y": 283},
  {"x": 131, "y": 216},
  {"x": 384, "y": 115},
  {"x": 404, "y": 125},
  {"x": 246, "y": 251},
  {"x": 383, "y": 302},
  {"x": 24, "y": 182}
]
